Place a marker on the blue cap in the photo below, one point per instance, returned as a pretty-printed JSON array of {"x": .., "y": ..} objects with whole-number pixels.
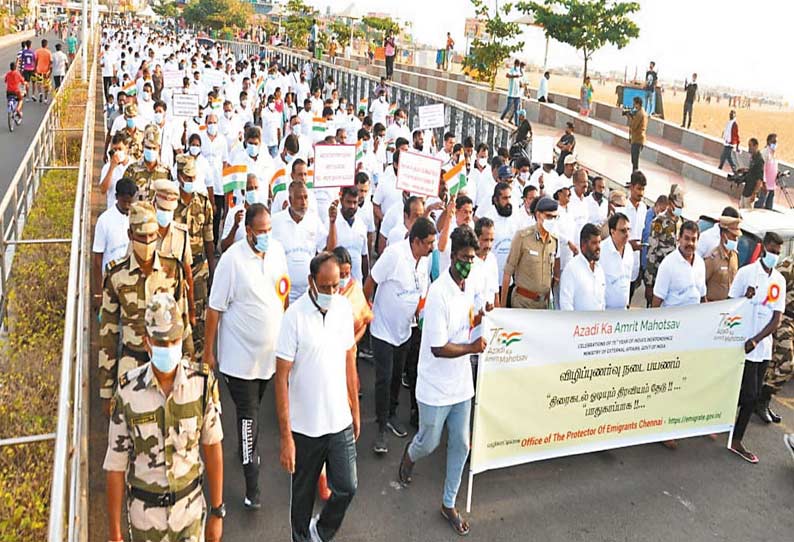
[
  {"x": 505, "y": 172},
  {"x": 522, "y": 112}
]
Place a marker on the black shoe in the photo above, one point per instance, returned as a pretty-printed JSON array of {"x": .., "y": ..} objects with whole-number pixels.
[
  {"x": 380, "y": 447},
  {"x": 394, "y": 425},
  {"x": 365, "y": 354},
  {"x": 773, "y": 416},
  {"x": 252, "y": 503},
  {"x": 405, "y": 471},
  {"x": 763, "y": 413},
  {"x": 414, "y": 420}
]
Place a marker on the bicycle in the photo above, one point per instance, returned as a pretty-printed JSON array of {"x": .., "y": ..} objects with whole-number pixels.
[{"x": 14, "y": 119}]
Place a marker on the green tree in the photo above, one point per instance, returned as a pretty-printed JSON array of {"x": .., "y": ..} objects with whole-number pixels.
[
  {"x": 167, "y": 10},
  {"x": 486, "y": 55},
  {"x": 218, "y": 14},
  {"x": 586, "y": 25},
  {"x": 381, "y": 25},
  {"x": 342, "y": 32},
  {"x": 298, "y": 22}
]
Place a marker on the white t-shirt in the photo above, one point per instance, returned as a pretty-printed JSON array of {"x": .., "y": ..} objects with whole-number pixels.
[
  {"x": 484, "y": 281},
  {"x": 354, "y": 238},
  {"x": 636, "y": 218},
  {"x": 262, "y": 166},
  {"x": 118, "y": 173},
  {"x": 111, "y": 235},
  {"x": 617, "y": 273},
  {"x": 216, "y": 153},
  {"x": 447, "y": 319},
  {"x": 769, "y": 298},
  {"x": 550, "y": 180},
  {"x": 379, "y": 109},
  {"x": 246, "y": 290},
  {"x": 228, "y": 222},
  {"x": 317, "y": 346},
  {"x": 301, "y": 241},
  {"x": 59, "y": 62},
  {"x": 402, "y": 281},
  {"x": 678, "y": 283},
  {"x": 597, "y": 213},
  {"x": 386, "y": 193},
  {"x": 398, "y": 233},
  {"x": 708, "y": 241},
  {"x": 505, "y": 228},
  {"x": 582, "y": 289}
]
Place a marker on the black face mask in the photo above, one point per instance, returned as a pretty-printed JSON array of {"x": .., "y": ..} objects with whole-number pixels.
[
  {"x": 506, "y": 210},
  {"x": 598, "y": 196}
]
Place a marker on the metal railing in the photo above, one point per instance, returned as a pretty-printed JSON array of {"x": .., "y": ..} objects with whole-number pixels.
[
  {"x": 461, "y": 119},
  {"x": 68, "y": 494}
]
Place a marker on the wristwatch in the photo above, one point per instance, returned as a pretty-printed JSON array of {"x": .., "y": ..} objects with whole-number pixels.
[{"x": 219, "y": 511}]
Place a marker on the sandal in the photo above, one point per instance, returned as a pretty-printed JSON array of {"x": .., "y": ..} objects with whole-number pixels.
[
  {"x": 747, "y": 455},
  {"x": 458, "y": 524},
  {"x": 404, "y": 473}
]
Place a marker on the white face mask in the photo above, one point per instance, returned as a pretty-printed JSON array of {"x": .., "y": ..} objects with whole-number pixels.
[{"x": 482, "y": 162}]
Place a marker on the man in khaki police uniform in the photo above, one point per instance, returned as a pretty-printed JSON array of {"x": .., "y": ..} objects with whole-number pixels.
[
  {"x": 133, "y": 136},
  {"x": 162, "y": 413},
  {"x": 147, "y": 168},
  {"x": 128, "y": 286},
  {"x": 194, "y": 211},
  {"x": 722, "y": 263},
  {"x": 532, "y": 261}
]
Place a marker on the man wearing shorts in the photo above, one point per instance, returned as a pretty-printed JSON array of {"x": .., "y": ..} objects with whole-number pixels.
[
  {"x": 43, "y": 70},
  {"x": 27, "y": 63},
  {"x": 14, "y": 85}
]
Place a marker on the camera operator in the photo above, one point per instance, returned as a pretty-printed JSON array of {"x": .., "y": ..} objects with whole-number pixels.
[
  {"x": 752, "y": 176},
  {"x": 638, "y": 124}
]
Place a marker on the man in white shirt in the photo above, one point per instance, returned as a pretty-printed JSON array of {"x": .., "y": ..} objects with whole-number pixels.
[
  {"x": 111, "y": 234},
  {"x": 545, "y": 178},
  {"x": 401, "y": 278},
  {"x": 710, "y": 239},
  {"x": 506, "y": 223},
  {"x": 543, "y": 88},
  {"x": 215, "y": 150},
  {"x": 617, "y": 261},
  {"x": 577, "y": 206},
  {"x": 306, "y": 117},
  {"x": 445, "y": 386},
  {"x": 681, "y": 278},
  {"x": 271, "y": 127},
  {"x": 59, "y": 63},
  {"x": 351, "y": 233},
  {"x": 114, "y": 168},
  {"x": 597, "y": 203},
  {"x": 246, "y": 306},
  {"x": 303, "y": 235},
  {"x": 253, "y": 157},
  {"x": 379, "y": 108},
  {"x": 582, "y": 285},
  {"x": 636, "y": 211},
  {"x": 445, "y": 154},
  {"x": 484, "y": 277},
  {"x": 398, "y": 129},
  {"x": 317, "y": 401},
  {"x": 765, "y": 287}
]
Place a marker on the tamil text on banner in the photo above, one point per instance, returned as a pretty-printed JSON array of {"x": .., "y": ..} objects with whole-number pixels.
[
  {"x": 431, "y": 116},
  {"x": 185, "y": 105},
  {"x": 552, "y": 384},
  {"x": 334, "y": 165},
  {"x": 418, "y": 173},
  {"x": 173, "y": 78}
]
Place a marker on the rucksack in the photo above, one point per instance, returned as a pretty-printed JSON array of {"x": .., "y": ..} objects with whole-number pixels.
[{"x": 28, "y": 60}]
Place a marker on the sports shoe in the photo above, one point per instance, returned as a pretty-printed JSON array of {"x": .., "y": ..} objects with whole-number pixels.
[
  {"x": 253, "y": 503},
  {"x": 380, "y": 447},
  {"x": 313, "y": 534},
  {"x": 394, "y": 425}
]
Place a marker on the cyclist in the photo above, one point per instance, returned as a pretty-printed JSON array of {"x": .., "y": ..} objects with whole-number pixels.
[{"x": 15, "y": 85}]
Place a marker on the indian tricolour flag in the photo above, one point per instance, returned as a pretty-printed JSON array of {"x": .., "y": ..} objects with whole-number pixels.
[
  {"x": 309, "y": 178},
  {"x": 359, "y": 151},
  {"x": 318, "y": 124},
  {"x": 278, "y": 182},
  {"x": 130, "y": 89},
  {"x": 363, "y": 104},
  {"x": 393, "y": 109},
  {"x": 234, "y": 178},
  {"x": 260, "y": 85},
  {"x": 456, "y": 178}
]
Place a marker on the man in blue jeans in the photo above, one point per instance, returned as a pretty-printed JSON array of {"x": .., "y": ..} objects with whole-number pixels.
[
  {"x": 513, "y": 92},
  {"x": 444, "y": 387}
]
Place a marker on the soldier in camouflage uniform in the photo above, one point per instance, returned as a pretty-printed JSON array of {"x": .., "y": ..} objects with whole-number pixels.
[
  {"x": 194, "y": 211},
  {"x": 162, "y": 413},
  {"x": 663, "y": 237},
  {"x": 148, "y": 169},
  {"x": 781, "y": 368},
  {"x": 128, "y": 286},
  {"x": 174, "y": 241},
  {"x": 133, "y": 136}
]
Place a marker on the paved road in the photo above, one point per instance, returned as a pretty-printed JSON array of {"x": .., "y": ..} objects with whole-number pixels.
[{"x": 15, "y": 144}]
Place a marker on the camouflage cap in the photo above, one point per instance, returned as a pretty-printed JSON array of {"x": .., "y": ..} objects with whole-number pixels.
[
  {"x": 676, "y": 195},
  {"x": 131, "y": 110},
  {"x": 186, "y": 165},
  {"x": 163, "y": 323},
  {"x": 151, "y": 135},
  {"x": 166, "y": 194},
  {"x": 143, "y": 220}
]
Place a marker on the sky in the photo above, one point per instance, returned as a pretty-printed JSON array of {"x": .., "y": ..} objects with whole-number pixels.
[{"x": 727, "y": 42}]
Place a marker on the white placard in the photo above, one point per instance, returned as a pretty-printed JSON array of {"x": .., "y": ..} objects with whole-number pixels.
[
  {"x": 431, "y": 116},
  {"x": 334, "y": 165},
  {"x": 419, "y": 173},
  {"x": 185, "y": 105},
  {"x": 173, "y": 79},
  {"x": 212, "y": 78},
  {"x": 543, "y": 150}
]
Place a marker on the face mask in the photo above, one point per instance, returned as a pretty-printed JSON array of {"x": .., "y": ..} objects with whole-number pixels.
[
  {"x": 288, "y": 158},
  {"x": 482, "y": 162},
  {"x": 463, "y": 269},
  {"x": 149, "y": 155},
  {"x": 164, "y": 217},
  {"x": 773, "y": 146},
  {"x": 770, "y": 260},
  {"x": 144, "y": 251},
  {"x": 262, "y": 242},
  {"x": 322, "y": 300},
  {"x": 271, "y": 106},
  {"x": 187, "y": 187},
  {"x": 507, "y": 210},
  {"x": 212, "y": 129},
  {"x": 228, "y": 115},
  {"x": 251, "y": 197},
  {"x": 524, "y": 175},
  {"x": 550, "y": 225},
  {"x": 147, "y": 96},
  {"x": 678, "y": 211},
  {"x": 194, "y": 150},
  {"x": 731, "y": 244},
  {"x": 252, "y": 150},
  {"x": 165, "y": 358},
  {"x": 130, "y": 123},
  {"x": 343, "y": 282},
  {"x": 121, "y": 155},
  {"x": 158, "y": 118}
]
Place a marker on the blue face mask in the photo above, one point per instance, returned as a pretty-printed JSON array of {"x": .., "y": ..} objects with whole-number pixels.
[
  {"x": 288, "y": 158},
  {"x": 194, "y": 150},
  {"x": 678, "y": 211},
  {"x": 150, "y": 155},
  {"x": 251, "y": 197},
  {"x": 253, "y": 150},
  {"x": 164, "y": 218},
  {"x": 165, "y": 358},
  {"x": 262, "y": 242},
  {"x": 158, "y": 118},
  {"x": 770, "y": 260},
  {"x": 130, "y": 123},
  {"x": 732, "y": 244},
  {"x": 187, "y": 187},
  {"x": 212, "y": 129}
]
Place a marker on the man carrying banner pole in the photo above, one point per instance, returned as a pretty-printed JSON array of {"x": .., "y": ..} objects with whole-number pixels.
[{"x": 444, "y": 387}]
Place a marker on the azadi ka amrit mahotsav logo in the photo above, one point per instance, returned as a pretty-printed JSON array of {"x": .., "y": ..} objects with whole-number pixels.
[{"x": 507, "y": 338}]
